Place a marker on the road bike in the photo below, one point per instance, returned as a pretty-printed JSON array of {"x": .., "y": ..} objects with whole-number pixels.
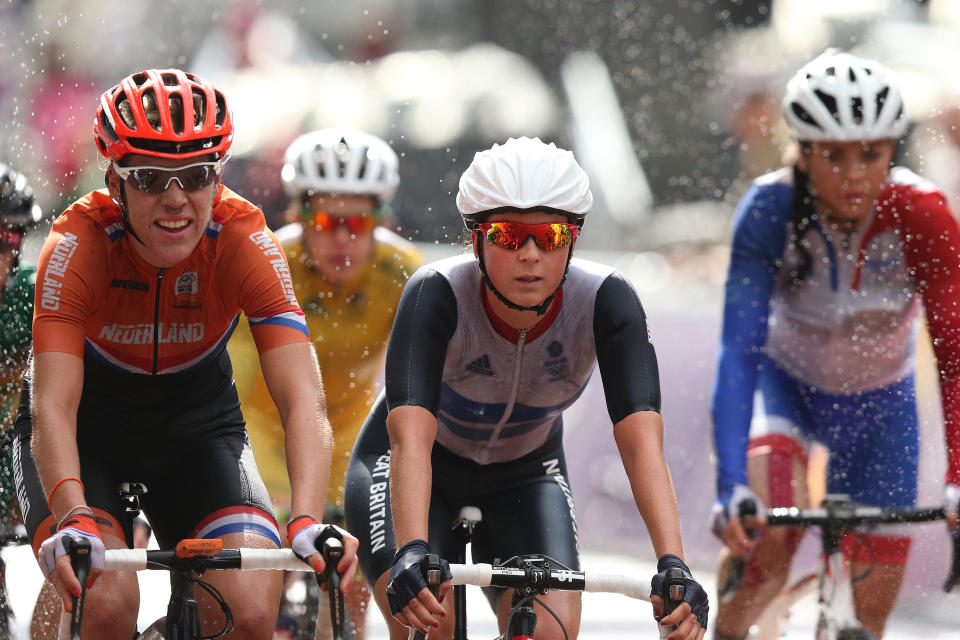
[
  {"x": 531, "y": 576},
  {"x": 832, "y": 582},
  {"x": 187, "y": 564},
  {"x": 10, "y": 535}
]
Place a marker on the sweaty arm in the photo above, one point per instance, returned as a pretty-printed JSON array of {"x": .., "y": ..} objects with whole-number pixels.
[
  {"x": 631, "y": 382},
  {"x": 426, "y": 320},
  {"x": 293, "y": 378},
  {"x": 759, "y": 238},
  {"x": 55, "y": 396}
]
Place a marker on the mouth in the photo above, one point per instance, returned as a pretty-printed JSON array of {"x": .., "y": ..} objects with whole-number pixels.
[
  {"x": 528, "y": 281},
  {"x": 173, "y": 226}
]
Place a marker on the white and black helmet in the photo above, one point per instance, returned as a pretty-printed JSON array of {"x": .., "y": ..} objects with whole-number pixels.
[
  {"x": 524, "y": 174},
  {"x": 342, "y": 161},
  {"x": 840, "y": 97},
  {"x": 18, "y": 208}
]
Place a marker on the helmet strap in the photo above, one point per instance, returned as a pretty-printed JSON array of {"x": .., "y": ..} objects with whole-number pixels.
[
  {"x": 125, "y": 216},
  {"x": 540, "y": 308}
]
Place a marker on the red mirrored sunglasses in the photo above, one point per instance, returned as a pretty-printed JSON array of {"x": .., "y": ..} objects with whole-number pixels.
[
  {"x": 328, "y": 222},
  {"x": 513, "y": 235}
]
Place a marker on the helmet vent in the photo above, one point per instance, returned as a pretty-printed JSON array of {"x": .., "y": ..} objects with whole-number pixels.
[
  {"x": 169, "y": 79},
  {"x": 221, "y": 108},
  {"x": 176, "y": 112},
  {"x": 107, "y": 127},
  {"x": 199, "y": 108},
  {"x": 857, "y": 105},
  {"x": 803, "y": 114},
  {"x": 830, "y": 103},
  {"x": 139, "y": 79},
  {"x": 125, "y": 111},
  {"x": 318, "y": 161}
]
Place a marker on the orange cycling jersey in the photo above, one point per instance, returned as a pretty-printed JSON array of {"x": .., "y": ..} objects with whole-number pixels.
[{"x": 96, "y": 294}]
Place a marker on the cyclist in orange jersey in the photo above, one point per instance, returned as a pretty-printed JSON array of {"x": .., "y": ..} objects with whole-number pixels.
[
  {"x": 139, "y": 287},
  {"x": 348, "y": 273}
]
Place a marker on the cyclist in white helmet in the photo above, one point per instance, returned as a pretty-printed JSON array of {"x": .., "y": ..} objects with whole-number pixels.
[
  {"x": 486, "y": 352},
  {"x": 348, "y": 273},
  {"x": 830, "y": 261}
]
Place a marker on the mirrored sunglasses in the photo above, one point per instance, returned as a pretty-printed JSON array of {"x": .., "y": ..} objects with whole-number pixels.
[
  {"x": 328, "y": 222},
  {"x": 155, "y": 180},
  {"x": 513, "y": 235}
]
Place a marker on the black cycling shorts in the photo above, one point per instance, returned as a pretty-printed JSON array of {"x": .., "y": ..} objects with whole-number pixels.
[
  {"x": 526, "y": 504},
  {"x": 205, "y": 488}
]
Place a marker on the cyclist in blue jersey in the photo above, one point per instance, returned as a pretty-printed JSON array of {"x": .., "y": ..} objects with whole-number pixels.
[
  {"x": 830, "y": 260},
  {"x": 486, "y": 352}
]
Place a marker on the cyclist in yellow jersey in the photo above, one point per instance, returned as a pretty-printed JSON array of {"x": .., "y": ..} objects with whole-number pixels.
[{"x": 348, "y": 274}]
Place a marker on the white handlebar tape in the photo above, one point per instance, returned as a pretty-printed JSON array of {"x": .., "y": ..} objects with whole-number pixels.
[
  {"x": 476, "y": 574},
  {"x": 612, "y": 583}
]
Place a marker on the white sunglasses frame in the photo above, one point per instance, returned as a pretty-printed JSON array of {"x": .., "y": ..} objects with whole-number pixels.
[{"x": 124, "y": 172}]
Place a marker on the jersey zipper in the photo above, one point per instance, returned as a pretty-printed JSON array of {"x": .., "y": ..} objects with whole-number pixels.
[
  {"x": 521, "y": 339},
  {"x": 156, "y": 321}
]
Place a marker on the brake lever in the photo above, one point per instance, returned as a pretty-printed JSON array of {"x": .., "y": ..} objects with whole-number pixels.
[
  {"x": 953, "y": 578},
  {"x": 79, "y": 549}
]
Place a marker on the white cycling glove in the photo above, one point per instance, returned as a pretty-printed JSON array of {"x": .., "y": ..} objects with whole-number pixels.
[
  {"x": 79, "y": 525},
  {"x": 723, "y": 510},
  {"x": 303, "y": 532},
  {"x": 951, "y": 499}
]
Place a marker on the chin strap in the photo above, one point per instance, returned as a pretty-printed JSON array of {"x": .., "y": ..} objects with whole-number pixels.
[
  {"x": 540, "y": 308},
  {"x": 124, "y": 216}
]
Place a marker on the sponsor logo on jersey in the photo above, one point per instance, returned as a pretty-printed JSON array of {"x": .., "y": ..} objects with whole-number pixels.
[
  {"x": 649, "y": 335},
  {"x": 378, "y": 503},
  {"x": 556, "y": 364},
  {"x": 187, "y": 283},
  {"x": 142, "y": 333},
  {"x": 22, "y": 496},
  {"x": 130, "y": 285},
  {"x": 481, "y": 365},
  {"x": 56, "y": 269},
  {"x": 187, "y": 291},
  {"x": 278, "y": 262}
]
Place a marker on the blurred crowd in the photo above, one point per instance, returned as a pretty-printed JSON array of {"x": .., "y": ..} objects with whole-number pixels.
[{"x": 689, "y": 93}]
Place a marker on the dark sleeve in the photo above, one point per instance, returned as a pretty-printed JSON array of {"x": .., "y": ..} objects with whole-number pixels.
[
  {"x": 426, "y": 320},
  {"x": 625, "y": 354}
]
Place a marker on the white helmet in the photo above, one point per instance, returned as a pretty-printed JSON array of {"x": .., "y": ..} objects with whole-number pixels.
[
  {"x": 524, "y": 174},
  {"x": 340, "y": 161},
  {"x": 840, "y": 97}
]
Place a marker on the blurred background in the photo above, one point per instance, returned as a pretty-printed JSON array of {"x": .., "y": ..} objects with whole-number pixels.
[{"x": 672, "y": 106}]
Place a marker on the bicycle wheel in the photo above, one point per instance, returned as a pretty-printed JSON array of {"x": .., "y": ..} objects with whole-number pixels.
[{"x": 156, "y": 631}]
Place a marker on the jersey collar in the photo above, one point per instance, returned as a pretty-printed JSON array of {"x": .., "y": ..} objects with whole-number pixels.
[{"x": 513, "y": 335}]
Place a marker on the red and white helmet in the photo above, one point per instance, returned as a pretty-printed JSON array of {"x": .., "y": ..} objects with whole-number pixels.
[
  {"x": 839, "y": 97},
  {"x": 342, "y": 161},
  {"x": 165, "y": 114},
  {"x": 524, "y": 174}
]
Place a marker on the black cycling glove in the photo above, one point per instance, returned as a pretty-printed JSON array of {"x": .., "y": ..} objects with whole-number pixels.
[
  {"x": 693, "y": 593},
  {"x": 406, "y": 578}
]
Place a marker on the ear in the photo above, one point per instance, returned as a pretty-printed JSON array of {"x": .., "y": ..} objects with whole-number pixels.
[
  {"x": 113, "y": 184},
  {"x": 803, "y": 158}
]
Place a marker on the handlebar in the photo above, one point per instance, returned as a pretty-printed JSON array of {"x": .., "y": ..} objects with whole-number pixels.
[
  {"x": 487, "y": 575},
  {"x": 839, "y": 513}
]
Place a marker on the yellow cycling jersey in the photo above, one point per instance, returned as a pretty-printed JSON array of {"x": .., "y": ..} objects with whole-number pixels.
[{"x": 349, "y": 326}]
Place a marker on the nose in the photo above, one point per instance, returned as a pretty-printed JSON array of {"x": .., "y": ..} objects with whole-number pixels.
[
  {"x": 529, "y": 250},
  {"x": 173, "y": 194}
]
